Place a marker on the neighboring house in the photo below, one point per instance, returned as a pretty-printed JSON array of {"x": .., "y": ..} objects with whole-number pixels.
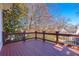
[
  {"x": 64, "y": 31},
  {"x": 74, "y": 40},
  {"x": 77, "y": 39},
  {"x": 69, "y": 39}
]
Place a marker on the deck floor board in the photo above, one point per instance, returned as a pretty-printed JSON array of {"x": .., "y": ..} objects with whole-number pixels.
[{"x": 36, "y": 48}]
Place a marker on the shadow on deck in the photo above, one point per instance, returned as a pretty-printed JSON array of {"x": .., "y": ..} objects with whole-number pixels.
[{"x": 36, "y": 48}]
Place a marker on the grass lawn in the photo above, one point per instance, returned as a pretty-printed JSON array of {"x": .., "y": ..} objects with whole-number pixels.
[{"x": 48, "y": 37}]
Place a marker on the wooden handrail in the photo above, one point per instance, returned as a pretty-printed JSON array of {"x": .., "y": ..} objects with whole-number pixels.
[
  {"x": 60, "y": 34},
  {"x": 43, "y": 33}
]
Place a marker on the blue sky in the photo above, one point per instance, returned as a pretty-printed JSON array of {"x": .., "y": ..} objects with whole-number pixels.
[{"x": 68, "y": 10}]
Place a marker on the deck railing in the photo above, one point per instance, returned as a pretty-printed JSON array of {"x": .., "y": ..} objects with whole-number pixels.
[{"x": 57, "y": 34}]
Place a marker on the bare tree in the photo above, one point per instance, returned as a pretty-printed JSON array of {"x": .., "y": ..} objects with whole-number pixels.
[{"x": 39, "y": 17}]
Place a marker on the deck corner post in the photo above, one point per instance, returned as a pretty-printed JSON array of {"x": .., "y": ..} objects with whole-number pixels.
[
  {"x": 3, "y": 37},
  {"x": 35, "y": 35},
  {"x": 43, "y": 36}
]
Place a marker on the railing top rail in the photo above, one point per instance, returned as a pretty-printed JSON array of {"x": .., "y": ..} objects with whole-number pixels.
[{"x": 59, "y": 34}]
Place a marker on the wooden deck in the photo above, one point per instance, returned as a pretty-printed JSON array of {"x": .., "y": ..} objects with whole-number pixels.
[{"x": 36, "y": 48}]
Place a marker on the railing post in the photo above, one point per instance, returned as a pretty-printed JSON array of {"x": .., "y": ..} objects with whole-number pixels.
[
  {"x": 43, "y": 36},
  {"x": 3, "y": 38},
  {"x": 24, "y": 36},
  {"x": 35, "y": 35},
  {"x": 5, "y": 35},
  {"x": 57, "y": 33}
]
